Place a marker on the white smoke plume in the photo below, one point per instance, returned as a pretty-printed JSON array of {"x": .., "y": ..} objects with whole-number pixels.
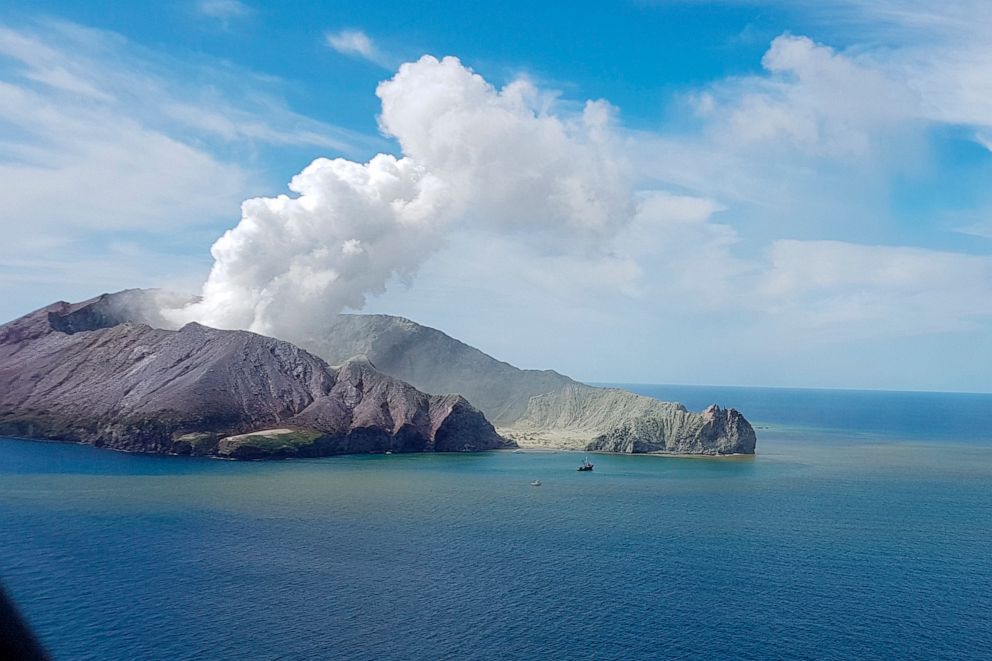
[{"x": 501, "y": 160}]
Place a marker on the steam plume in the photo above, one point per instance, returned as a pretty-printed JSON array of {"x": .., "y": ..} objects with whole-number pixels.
[{"x": 472, "y": 154}]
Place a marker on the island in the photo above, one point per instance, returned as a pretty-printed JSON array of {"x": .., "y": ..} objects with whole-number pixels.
[
  {"x": 83, "y": 373},
  {"x": 111, "y": 372}
]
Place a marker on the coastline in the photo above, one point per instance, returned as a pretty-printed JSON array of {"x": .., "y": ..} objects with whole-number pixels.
[
  {"x": 519, "y": 450},
  {"x": 677, "y": 455}
]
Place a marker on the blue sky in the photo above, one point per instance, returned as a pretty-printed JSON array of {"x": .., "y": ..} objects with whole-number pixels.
[{"x": 759, "y": 193}]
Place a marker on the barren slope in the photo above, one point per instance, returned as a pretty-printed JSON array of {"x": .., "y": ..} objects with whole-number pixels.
[
  {"x": 535, "y": 408},
  {"x": 75, "y": 372}
]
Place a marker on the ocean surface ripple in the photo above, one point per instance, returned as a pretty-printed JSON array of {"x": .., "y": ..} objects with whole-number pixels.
[{"x": 853, "y": 539}]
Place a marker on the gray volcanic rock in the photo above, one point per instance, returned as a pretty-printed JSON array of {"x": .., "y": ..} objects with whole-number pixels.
[
  {"x": 533, "y": 407},
  {"x": 434, "y": 362},
  {"x": 83, "y": 372},
  {"x": 538, "y": 408},
  {"x": 614, "y": 420},
  {"x": 714, "y": 431}
]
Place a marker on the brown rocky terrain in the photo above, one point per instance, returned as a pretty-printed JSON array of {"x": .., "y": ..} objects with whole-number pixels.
[
  {"x": 109, "y": 371},
  {"x": 88, "y": 373}
]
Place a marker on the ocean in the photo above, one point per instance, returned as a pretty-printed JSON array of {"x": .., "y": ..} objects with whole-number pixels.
[{"x": 862, "y": 529}]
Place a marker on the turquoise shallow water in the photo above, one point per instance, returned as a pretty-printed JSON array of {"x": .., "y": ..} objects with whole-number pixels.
[{"x": 832, "y": 543}]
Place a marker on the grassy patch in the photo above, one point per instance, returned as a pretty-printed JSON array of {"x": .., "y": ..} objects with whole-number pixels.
[
  {"x": 261, "y": 444},
  {"x": 198, "y": 443}
]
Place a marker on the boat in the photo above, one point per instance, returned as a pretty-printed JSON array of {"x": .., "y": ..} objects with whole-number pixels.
[
  {"x": 586, "y": 466},
  {"x": 535, "y": 483}
]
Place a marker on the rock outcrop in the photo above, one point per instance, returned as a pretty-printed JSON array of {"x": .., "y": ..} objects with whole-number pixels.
[
  {"x": 614, "y": 420},
  {"x": 268, "y": 391},
  {"x": 88, "y": 373},
  {"x": 539, "y": 408},
  {"x": 434, "y": 362},
  {"x": 715, "y": 431}
]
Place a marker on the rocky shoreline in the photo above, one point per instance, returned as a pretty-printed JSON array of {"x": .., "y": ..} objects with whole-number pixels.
[
  {"x": 104, "y": 373},
  {"x": 73, "y": 373}
]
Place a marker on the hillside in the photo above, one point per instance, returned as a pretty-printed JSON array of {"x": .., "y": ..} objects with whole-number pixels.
[
  {"x": 251, "y": 382},
  {"x": 538, "y": 408},
  {"x": 435, "y": 362},
  {"x": 85, "y": 373}
]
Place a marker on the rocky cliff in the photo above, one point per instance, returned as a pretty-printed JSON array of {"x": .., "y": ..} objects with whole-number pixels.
[
  {"x": 538, "y": 408},
  {"x": 435, "y": 362},
  {"x": 614, "y": 420},
  {"x": 715, "y": 431},
  {"x": 87, "y": 373}
]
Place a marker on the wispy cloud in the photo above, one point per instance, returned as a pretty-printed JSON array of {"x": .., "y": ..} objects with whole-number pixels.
[
  {"x": 941, "y": 50},
  {"x": 100, "y": 136},
  {"x": 810, "y": 147},
  {"x": 355, "y": 43},
  {"x": 839, "y": 290},
  {"x": 102, "y": 140},
  {"x": 224, "y": 10},
  {"x": 89, "y": 147},
  {"x": 981, "y": 229}
]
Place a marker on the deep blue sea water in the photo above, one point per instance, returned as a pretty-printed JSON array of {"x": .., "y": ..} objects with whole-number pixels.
[{"x": 862, "y": 529}]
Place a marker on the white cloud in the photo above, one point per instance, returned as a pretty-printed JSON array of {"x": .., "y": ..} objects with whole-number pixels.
[
  {"x": 79, "y": 156},
  {"x": 99, "y": 136},
  {"x": 482, "y": 157},
  {"x": 808, "y": 148},
  {"x": 551, "y": 196},
  {"x": 811, "y": 147},
  {"x": 223, "y": 10},
  {"x": 690, "y": 260},
  {"x": 813, "y": 102},
  {"x": 507, "y": 158},
  {"x": 939, "y": 50},
  {"x": 841, "y": 290},
  {"x": 981, "y": 229},
  {"x": 356, "y": 43}
]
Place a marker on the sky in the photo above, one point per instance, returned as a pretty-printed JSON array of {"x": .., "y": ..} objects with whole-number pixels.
[{"x": 774, "y": 193}]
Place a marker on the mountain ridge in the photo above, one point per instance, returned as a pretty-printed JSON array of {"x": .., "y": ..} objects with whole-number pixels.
[
  {"x": 538, "y": 408},
  {"x": 437, "y": 362},
  {"x": 83, "y": 372}
]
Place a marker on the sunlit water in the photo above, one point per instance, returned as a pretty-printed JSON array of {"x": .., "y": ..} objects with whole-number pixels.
[{"x": 863, "y": 528}]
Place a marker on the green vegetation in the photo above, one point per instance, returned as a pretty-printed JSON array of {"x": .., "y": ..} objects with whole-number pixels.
[
  {"x": 198, "y": 443},
  {"x": 268, "y": 443}
]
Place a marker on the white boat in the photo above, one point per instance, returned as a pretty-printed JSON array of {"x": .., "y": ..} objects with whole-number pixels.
[{"x": 535, "y": 483}]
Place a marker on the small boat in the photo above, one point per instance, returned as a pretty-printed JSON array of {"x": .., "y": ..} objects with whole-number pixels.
[
  {"x": 586, "y": 466},
  {"x": 389, "y": 451},
  {"x": 535, "y": 483}
]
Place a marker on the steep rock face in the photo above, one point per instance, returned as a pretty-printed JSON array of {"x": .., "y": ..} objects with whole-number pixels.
[
  {"x": 588, "y": 410},
  {"x": 392, "y": 415},
  {"x": 434, "y": 362},
  {"x": 76, "y": 372},
  {"x": 715, "y": 431},
  {"x": 614, "y": 420},
  {"x": 534, "y": 407},
  {"x": 538, "y": 408}
]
